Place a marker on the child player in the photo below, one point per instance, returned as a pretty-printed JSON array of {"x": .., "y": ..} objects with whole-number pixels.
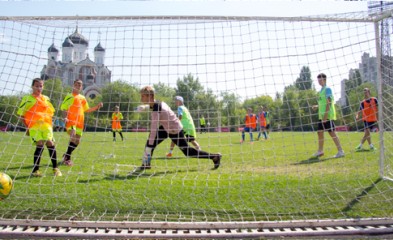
[
  {"x": 117, "y": 116},
  {"x": 74, "y": 107},
  {"x": 36, "y": 112}
]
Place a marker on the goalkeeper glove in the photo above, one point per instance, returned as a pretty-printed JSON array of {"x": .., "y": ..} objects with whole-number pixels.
[
  {"x": 142, "y": 108},
  {"x": 147, "y": 156}
]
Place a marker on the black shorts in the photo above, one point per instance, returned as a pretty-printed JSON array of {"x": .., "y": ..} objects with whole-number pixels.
[
  {"x": 370, "y": 125},
  {"x": 189, "y": 138},
  {"x": 326, "y": 126}
]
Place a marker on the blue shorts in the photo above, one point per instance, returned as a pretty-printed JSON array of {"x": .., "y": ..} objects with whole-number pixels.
[
  {"x": 248, "y": 129},
  {"x": 326, "y": 126},
  {"x": 370, "y": 125}
]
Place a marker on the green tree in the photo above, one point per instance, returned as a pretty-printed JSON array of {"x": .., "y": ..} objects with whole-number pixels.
[
  {"x": 209, "y": 106},
  {"x": 8, "y": 108},
  {"x": 306, "y": 99},
  {"x": 296, "y": 109},
  {"x": 165, "y": 93},
  {"x": 230, "y": 114},
  {"x": 355, "y": 96},
  {"x": 304, "y": 81},
  {"x": 351, "y": 85},
  {"x": 189, "y": 87},
  {"x": 127, "y": 97}
]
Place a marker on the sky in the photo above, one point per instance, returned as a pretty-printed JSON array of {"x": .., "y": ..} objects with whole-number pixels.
[
  {"x": 153, "y": 8},
  {"x": 259, "y": 78}
]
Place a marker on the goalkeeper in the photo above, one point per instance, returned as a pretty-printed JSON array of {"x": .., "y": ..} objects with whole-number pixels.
[
  {"x": 36, "y": 111},
  {"x": 164, "y": 123}
]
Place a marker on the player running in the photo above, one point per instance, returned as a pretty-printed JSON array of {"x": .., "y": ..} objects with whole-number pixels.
[{"x": 74, "y": 107}]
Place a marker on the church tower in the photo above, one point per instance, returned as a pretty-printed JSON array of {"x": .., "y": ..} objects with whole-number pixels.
[
  {"x": 53, "y": 53},
  {"x": 80, "y": 46},
  {"x": 68, "y": 50},
  {"x": 76, "y": 64},
  {"x": 99, "y": 54}
]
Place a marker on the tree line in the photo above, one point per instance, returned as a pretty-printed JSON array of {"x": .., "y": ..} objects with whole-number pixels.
[{"x": 290, "y": 110}]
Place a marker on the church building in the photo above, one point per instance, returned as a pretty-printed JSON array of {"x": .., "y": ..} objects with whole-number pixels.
[{"x": 76, "y": 64}]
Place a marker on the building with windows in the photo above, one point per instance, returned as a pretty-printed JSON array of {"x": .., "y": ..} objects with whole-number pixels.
[
  {"x": 76, "y": 64},
  {"x": 368, "y": 73}
]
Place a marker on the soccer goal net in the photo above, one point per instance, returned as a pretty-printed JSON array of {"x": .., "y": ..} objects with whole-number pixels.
[{"x": 224, "y": 68}]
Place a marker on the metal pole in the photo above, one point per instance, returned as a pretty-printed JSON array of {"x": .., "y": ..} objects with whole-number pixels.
[{"x": 380, "y": 102}]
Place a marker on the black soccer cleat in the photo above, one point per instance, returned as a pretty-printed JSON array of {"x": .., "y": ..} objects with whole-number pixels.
[{"x": 217, "y": 160}]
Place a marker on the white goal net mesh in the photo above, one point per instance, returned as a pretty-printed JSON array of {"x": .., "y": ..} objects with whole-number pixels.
[{"x": 220, "y": 66}]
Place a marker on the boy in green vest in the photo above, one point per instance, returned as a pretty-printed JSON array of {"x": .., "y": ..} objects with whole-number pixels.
[
  {"x": 326, "y": 116},
  {"x": 188, "y": 125}
]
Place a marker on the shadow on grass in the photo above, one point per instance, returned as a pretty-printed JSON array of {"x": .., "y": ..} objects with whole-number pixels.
[
  {"x": 145, "y": 174},
  {"x": 364, "y": 150},
  {"x": 22, "y": 167},
  {"x": 21, "y": 177},
  {"x": 313, "y": 160},
  {"x": 165, "y": 158},
  {"x": 357, "y": 199}
]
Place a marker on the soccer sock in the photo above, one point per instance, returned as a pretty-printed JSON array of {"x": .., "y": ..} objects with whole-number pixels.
[
  {"x": 114, "y": 134},
  {"x": 264, "y": 134},
  {"x": 71, "y": 148},
  {"x": 243, "y": 136},
  {"x": 251, "y": 138},
  {"x": 259, "y": 135},
  {"x": 121, "y": 135},
  {"x": 37, "y": 157},
  {"x": 53, "y": 156}
]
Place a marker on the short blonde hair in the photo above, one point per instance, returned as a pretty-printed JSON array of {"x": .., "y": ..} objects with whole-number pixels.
[
  {"x": 366, "y": 90},
  {"x": 147, "y": 90}
]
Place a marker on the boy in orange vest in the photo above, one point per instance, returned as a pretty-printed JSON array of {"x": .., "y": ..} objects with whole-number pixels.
[
  {"x": 261, "y": 116},
  {"x": 251, "y": 123},
  {"x": 369, "y": 110}
]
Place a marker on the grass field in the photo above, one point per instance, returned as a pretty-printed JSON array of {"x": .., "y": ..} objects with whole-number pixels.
[{"x": 268, "y": 180}]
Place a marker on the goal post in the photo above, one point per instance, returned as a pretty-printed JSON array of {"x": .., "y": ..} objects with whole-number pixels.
[{"x": 268, "y": 184}]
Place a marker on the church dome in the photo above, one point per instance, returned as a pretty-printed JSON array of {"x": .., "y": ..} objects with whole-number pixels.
[
  {"x": 67, "y": 43},
  {"x": 77, "y": 38},
  {"x": 99, "y": 48},
  {"x": 53, "y": 48}
]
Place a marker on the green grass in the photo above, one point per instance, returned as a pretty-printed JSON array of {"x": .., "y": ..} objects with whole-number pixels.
[{"x": 268, "y": 180}]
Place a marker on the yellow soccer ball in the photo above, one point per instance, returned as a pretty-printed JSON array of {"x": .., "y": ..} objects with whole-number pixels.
[{"x": 5, "y": 186}]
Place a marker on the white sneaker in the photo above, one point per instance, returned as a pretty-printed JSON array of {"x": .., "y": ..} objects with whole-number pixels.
[
  {"x": 317, "y": 155},
  {"x": 339, "y": 154}
]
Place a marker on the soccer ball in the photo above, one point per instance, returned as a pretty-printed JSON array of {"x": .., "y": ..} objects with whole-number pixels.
[{"x": 5, "y": 186}]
